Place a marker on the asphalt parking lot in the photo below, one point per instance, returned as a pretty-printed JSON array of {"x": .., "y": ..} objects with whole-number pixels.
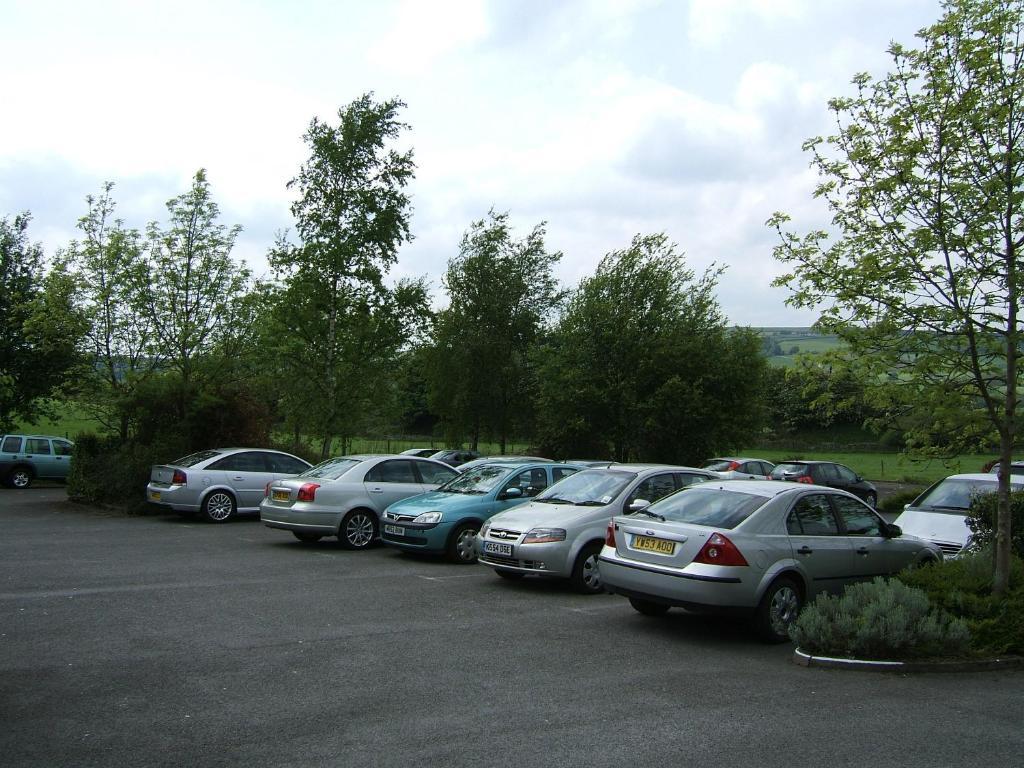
[{"x": 161, "y": 641}]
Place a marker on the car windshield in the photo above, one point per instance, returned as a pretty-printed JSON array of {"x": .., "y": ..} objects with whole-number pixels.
[
  {"x": 712, "y": 507},
  {"x": 595, "y": 487},
  {"x": 719, "y": 465},
  {"x": 477, "y": 481},
  {"x": 954, "y": 495},
  {"x": 331, "y": 469},
  {"x": 194, "y": 458}
]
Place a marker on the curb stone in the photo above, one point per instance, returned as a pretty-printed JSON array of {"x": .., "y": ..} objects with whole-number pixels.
[{"x": 864, "y": 665}]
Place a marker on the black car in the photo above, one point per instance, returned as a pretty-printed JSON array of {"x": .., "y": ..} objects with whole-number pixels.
[
  {"x": 827, "y": 473},
  {"x": 456, "y": 457}
]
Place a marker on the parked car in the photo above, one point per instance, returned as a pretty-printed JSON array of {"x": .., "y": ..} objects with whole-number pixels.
[
  {"x": 939, "y": 515},
  {"x": 345, "y": 496},
  {"x": 560, "y": 533},
  {"x": 498, "y": 460},
  {"x": 456, "y": 457},
  {"x": 23, "y": 458},
  {"x": 735, "y": 468},
  {"x": 221, "y": 482},
  {"x": 827, "y": 473},
  {"x": 446, "y": 521},
  {"x": 590, "y": 462},
  {"x": 423, "y": 453},
  {"x": 1016, "y": 468},
  {"x": 756, "y": 547}
]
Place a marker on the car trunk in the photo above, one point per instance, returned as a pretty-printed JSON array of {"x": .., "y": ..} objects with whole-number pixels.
[{"x": 654, "y": 542}]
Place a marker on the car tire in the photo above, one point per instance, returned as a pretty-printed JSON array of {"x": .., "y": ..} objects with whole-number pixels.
[
  {"x": 461, "y": 547},
  {"x": 20, "y": 477},
  {"x": 586, "y": 575},
  {"x": 778, "y": 609},
  {"x": 307, "y": 538},
  {"x": 358, "y": 529},
  {"x": 510, "y": 575},
  {"x": 647, "y": 607},
  {"x": 219, "y": 507},
  {"x": 871, "y": 499}
]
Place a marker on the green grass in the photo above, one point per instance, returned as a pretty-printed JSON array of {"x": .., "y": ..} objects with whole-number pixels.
[
  {"x": 886, "y": 467},
  {"x": 69, "y": 422}
]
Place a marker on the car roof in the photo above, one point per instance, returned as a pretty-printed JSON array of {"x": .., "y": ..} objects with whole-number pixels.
[
  {"x": 769, "y": 488},
  {"x": 50, "y": 437}
]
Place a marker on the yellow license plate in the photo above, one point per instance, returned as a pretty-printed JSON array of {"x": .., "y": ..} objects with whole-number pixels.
[
  {"x": 154, "y": 495},
  {"x": 650, "y": 544},
  {"x": 279, "y": 495}
]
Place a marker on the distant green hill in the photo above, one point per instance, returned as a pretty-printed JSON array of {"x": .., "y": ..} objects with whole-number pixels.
[{"x": 782, "y": 345}]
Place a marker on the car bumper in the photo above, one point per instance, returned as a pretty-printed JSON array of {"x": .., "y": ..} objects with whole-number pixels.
[
  {"x": 675, "y": 587},
  {"x": 551, "y": 559},
  {"x": 180, "y": 498},
  {"x": 301, "y": 517},
  {"x": 430, "y": 537}
]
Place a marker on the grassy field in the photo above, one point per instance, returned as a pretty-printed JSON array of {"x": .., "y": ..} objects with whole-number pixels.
[{"x": 888, "y": 467}]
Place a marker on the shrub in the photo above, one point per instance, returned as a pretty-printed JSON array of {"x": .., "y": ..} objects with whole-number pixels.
[
  {"x": 105, "y": 471},
  {"x": 963, "y": 587},
  {"x": 881, "y": 619},
  {"x": 981, "y": 519},
  {"x": 893, "y": 505}
]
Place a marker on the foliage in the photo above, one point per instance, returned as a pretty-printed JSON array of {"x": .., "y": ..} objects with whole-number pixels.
[
  {"x": 39, "y": 327},
  {"x": 641, "y": 365},
  {"x": 881, "y": 619},
  {"x": 981, "y": 519},
  {"x": 963, "y": 588},
  {"x": 502, "y": 294},
  {"x": 893, "y": 504},
  {"x": 924, "y": 178}
]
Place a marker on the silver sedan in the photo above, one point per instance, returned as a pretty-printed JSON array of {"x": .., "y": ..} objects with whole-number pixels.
[
  {"x": 757, "y": 547},
  {"x": 346, "y": 496}
]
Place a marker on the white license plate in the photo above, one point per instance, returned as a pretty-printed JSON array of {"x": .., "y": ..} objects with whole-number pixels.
[
  {"x": 394, "y": 530},
  {"x": 498, "y": 548}
]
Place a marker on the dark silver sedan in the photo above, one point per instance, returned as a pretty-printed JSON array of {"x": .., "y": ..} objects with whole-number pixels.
[{"x": 758, "y": 547}]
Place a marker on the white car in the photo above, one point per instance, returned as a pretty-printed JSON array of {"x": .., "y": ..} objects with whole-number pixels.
[{"x": 939, "y": 515}]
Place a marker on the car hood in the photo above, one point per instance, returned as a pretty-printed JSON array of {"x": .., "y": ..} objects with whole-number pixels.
[
  {"x": 934, "y": 526},
  {"x": 538, "y": 513},
  {"x": 438, "y": 501}
]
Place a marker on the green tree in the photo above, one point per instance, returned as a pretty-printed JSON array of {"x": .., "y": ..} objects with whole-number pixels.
[
  {"x": 502, "y": 295},
  {"x": 39, "y": 327},
  {"x": 341, "y": 324},
  {"x": 642, "y": 366},
  {"x": 921, "y": 275}
]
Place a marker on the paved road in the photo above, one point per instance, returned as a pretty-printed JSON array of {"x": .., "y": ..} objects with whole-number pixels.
[{"x": 163, "y": 642}]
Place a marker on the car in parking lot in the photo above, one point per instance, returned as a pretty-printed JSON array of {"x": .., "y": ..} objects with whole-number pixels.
[
  {"x": 455, "y": 457},
  {"x": 737, "y": 468},
  {"x": 421, "y": 452},
  {"x": 755, "y": 547},
  {"x": 447, "y": 520},
  {"x": 560, "y": 533},
  {"x": 1016, "y": 468},
  {"x": 345, "y": 496},
  {"x": 220, "y": 482},
  {"x": 828, "y": 473},
  {"x": 939, "y": 514},
  {"x": 23, "y": 458},
  {"x": 507, "y": 459}
]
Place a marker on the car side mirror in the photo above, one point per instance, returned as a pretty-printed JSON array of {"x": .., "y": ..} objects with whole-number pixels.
[
  {"x": 637, "y": 504},
  {"x": 892, "y": 531},
  {"x": 512, "y": 493}
]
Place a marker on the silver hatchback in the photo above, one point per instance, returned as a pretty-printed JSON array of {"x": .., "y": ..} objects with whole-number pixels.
[
  {"x": 758, "y": 547},
  {"x": 560, "y": 533}
]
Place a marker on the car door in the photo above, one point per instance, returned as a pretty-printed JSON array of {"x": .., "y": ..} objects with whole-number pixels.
[
  {"x": 62, "y": 451},
  {"x": 874, "y": 555},
  {"x": 247, "y": 474},
  {"x": 650, "y": 489},
  {"x": 40, "y": 455},
  {"x": 390, "y": 481},
  {"x": 282, "y": 465},
  {"x": 10, "y": 449},
  {"x": 818, "y": 545}
]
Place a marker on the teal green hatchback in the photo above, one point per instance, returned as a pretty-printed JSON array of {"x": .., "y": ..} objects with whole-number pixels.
[{"x": 446, "y": 521}]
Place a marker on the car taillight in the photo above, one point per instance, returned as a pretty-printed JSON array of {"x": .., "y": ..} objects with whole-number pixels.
[
  {"x": 719, "y": 551},
  {"x": 179, "y": 478},
  {"x": 734, "y": 465},
  {"x": 609, "y": 537},
  {"x": 307, "y": 492},
  {"x": 805, "y": 479},
  {"x": 266, "y": 489}
]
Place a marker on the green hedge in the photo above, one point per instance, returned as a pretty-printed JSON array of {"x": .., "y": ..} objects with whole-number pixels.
[
  {"x": 105, "y": 471},
  {"x": 982, "y": 521}
]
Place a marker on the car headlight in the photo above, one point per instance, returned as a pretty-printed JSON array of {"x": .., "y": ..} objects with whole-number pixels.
[
  {"x": 484, "y": 529},
  {"x": 544, "y": 535},
  {"x": 428, "y": 517}
]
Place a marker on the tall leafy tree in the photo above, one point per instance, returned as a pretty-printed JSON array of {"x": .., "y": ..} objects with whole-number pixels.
[
  {"x": 502, "y": 295},
  {"x": 642, "y": 365},
  {"x": 342, "y": 324},
  {"x": 921, "y": 274},
  {"x": 40, "y": 328}
]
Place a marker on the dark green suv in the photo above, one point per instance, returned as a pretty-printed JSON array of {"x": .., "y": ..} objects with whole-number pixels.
[{"x": 23, "y": 458}]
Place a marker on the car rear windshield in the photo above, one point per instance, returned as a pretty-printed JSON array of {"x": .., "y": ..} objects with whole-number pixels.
[
  {"x": 721, "y": 465},
  {"x": 331, "y": 469},
  {"x": 713, "y": 507},
  {"x": 781, "y": 470},
  {"x": 954, "y": 495},
  {"x": 195, "y": 458}
]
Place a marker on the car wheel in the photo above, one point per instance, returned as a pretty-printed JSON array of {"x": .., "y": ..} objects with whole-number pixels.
[
  {"x": 358, "y": 529},
  {"x": 510, "y": 575},
  {"x": 306, "y": 538},
  {"x": 219, "y": 507},
  {"x": 586, "y": 574},
  {"x": 20, "y": 477},
  {"x": 462, "y": 544},
  {"x": 871, "y": 498},
  {"x": 778, "y": 609},
  {"x": 648, "y": 608}
]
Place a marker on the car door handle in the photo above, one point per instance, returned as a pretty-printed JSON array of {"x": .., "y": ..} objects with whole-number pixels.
[
  {"x": 804, "y": 550},
  {"x": 238, "y": 478},
  {"x": 863, "y": 551},
  {"x": 376, "y": 490}
]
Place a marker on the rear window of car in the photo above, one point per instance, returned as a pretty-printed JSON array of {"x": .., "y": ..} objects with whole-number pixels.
[
  {"x": 720, "y": 465},
  {"x": 712, "y": 507},
  {"x": 331, "y": 469},
  {"x": 790, "y": 469},
  {"x": 195, "y": 458}
]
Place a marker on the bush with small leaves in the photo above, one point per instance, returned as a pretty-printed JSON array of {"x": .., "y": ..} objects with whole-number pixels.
[
  {"x": 881, "y": 619},
  {"x": 981, "y": 519}
]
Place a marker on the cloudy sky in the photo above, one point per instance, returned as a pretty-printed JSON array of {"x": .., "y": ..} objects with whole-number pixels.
[{"x": 604, "y": 118}]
